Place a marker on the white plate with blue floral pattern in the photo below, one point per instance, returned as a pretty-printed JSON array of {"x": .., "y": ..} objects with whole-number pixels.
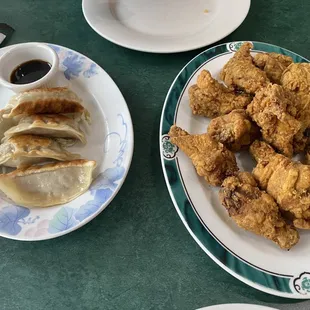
[{"x": 109, "y": 142}]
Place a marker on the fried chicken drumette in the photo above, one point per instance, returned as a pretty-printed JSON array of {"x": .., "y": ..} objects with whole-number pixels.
[
  {"x": 211, "y": 159},
  {"x": 256, "y": 211},
  {"x": 273, "y": 109},
  {"x": 234, "y": 130},
  {"x": 296, "y": 78},
  {"x": 241, "y": 73},
  {"x": 273, "y": 64},
  {"x": 287, "y": 181},
  {"x": 211, "y": 99}
]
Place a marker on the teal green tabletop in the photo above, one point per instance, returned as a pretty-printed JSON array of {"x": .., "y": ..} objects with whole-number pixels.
[{"x": 136, "y": 254}]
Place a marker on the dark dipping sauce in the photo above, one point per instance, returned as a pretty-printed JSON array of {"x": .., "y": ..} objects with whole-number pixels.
[{"x": 30, "y": 71}]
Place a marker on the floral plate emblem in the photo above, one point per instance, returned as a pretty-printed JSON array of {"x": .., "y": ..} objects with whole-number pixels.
[
  {"x": 302, "y": 283},
  {"x": 169, "y": 150},
  {"x": 234, "y": 46}
]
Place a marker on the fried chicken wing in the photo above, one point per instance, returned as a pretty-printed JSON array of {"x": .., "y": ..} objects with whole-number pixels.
[
  {"x": 256, "y": 211},
  {"x": 288, "y": 182},
  {"x": 240, "y": 71},
  {"x": 296, "y": 78},
  {"x": 211, "y": 159},
  {"x": 273, "y": 64},
  {"x": 273, "y": 109},
  {"x": 234, "y": 130},
  {"x": 210, "y": 98}
]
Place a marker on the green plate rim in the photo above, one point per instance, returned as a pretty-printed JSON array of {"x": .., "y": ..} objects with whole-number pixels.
[{"x": 269, "y": 282}]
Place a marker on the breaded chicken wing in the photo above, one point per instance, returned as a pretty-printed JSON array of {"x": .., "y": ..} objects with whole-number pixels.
[
  {"x": 296, "y": 78},
  {"x": 240, "y": 71},
  {"x": 234, "y": 130},
  {"x": 211, "y": 159},
  {"x": 210, "y": 98},
  {"x": 287, "y": 181},
  {"x": 273, "y": 109},
  {"x": 256, "y": 211},
  {"x": 273, "y": 64}
]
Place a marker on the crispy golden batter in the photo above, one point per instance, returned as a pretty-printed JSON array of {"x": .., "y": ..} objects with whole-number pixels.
[
  {"x": 273, "y": 64},
  {"x": 211, "y": 159},
  {"x": 256, "y": 211},
  {"x": 234, "y": 130},
  {"x": 211, "y": 99},
  {"x": 307, "y": 156},
  {"x": 296, "y": 78},
  {"x": 285, "y": 180},
  {"x": 273, "y": 110},
  {"x": 240, "y": 71}
]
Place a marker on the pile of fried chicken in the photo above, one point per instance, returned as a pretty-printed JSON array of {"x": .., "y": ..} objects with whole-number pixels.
[{"x": 264, "y": 106}]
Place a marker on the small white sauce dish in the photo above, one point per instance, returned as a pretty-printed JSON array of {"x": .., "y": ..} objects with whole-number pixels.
[{"x": 26, "y": 52}]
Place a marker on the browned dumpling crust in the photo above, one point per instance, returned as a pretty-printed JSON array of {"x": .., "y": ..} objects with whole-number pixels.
[
  {"x": 29, "y": 149},
  {"x": 51, "y": 125}
]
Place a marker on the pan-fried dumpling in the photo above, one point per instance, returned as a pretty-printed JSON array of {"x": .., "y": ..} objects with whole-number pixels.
[
  {"x": 53, "y": 125},
  {"x": 29, "y": 150},
  {"x": 59, "y": 100},
  {"x": 48, "y": 185},
  {"x": 5, "y": 123}
]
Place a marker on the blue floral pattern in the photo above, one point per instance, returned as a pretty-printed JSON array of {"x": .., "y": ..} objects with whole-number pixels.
[
  {"x": 87, "y": 210},
  {"x": 91, "y": 71},
  {"x": 12, "y": 217},
  {"x": 108, "y": 178},
  {"x": 63, "y": 220},
  {"x": 74, "y": 64}
]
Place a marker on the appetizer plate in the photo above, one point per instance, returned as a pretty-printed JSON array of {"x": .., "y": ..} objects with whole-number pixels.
[
  {"x": 250, "y": 258},
  {"x": 236, "y": 307},
  {"x": 163, "y": 26},
  {"x": 109, "y": 141}
]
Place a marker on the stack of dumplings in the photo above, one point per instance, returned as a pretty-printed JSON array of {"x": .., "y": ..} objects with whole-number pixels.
[{"x": 36, "y": 126}]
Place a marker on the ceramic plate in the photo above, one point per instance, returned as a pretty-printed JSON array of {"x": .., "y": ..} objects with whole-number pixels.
[
  {"x": 237, "y": 307},
  {"x": 163, "y": 26},
  {"x": 250, "y": 258},
  {"x": 109, "y": 142}
]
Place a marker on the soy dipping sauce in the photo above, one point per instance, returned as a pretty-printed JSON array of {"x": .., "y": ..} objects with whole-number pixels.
[{"x": 30, "y": 71}]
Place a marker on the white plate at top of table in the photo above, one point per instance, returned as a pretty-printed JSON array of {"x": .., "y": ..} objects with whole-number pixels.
[
  {"x": 165, "y": 26},
  {"x": 250, "y": 258},
  {"x": 237, "y": 307},
  {"x": 109, "y": 143}
]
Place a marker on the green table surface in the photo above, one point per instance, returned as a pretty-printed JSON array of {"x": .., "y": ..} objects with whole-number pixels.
[{"x": 136, "y": 254}]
